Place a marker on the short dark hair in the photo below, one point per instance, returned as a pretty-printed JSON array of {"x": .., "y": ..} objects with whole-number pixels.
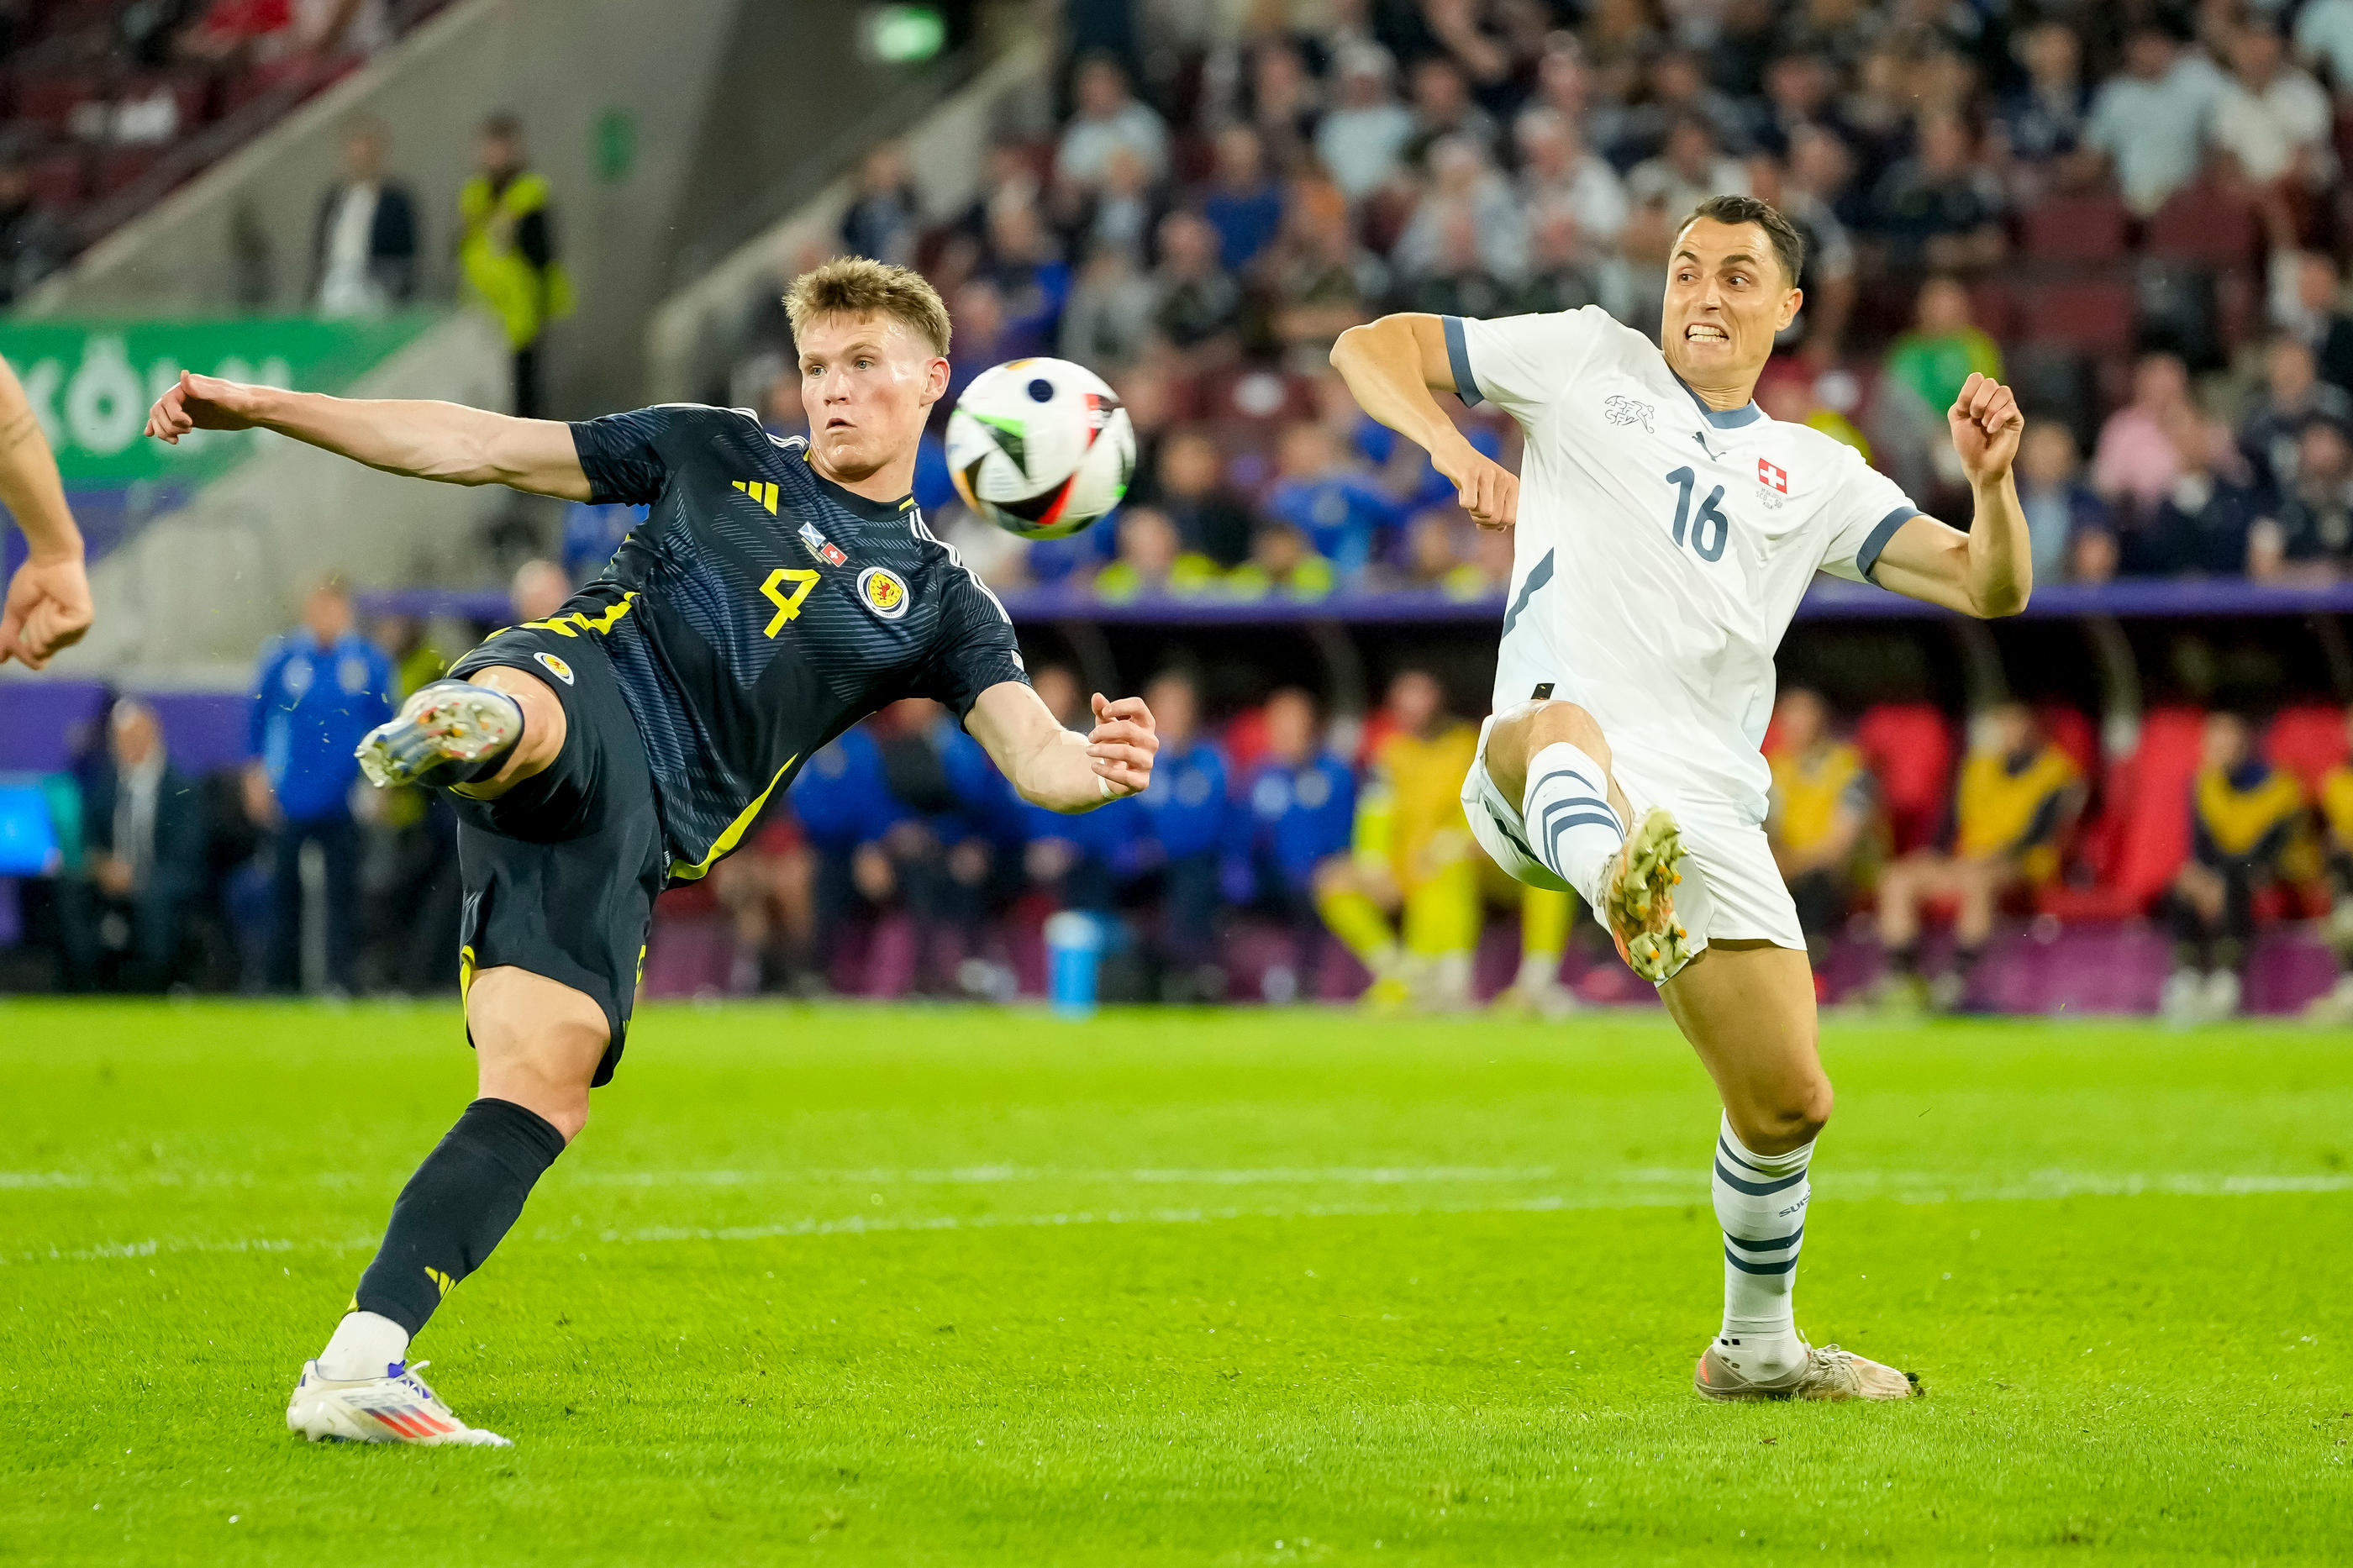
[{"x": 1788, "y": 245}]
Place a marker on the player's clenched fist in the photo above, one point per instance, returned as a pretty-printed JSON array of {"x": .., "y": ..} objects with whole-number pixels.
[
  {"x": 1119, "y": 747},
  {"x": 1986, "y": 427},
  {"x": 1490, "y": 491},
  {"x": 202, "y": 403}
]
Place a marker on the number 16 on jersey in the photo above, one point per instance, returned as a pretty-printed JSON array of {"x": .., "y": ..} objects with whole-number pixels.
[{"x": 1709, "y": 530}]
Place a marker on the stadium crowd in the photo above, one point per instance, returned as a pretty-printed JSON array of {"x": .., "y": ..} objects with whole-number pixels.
[
  {"x": 1270, "y": 844},
  {"x": 2131, "y": 212}
]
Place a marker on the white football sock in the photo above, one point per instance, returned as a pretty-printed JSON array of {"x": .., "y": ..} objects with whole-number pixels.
[
  {"x": 1760, "y": 1202},
  {"x": 363, "y": 1345},
  {"x": 1571, "y": 825}
]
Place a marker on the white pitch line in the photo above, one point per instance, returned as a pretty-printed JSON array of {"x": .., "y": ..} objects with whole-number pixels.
[{"x": 1896, "y": 1186}]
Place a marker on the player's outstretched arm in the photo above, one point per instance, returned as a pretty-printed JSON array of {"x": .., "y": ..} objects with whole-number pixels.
[
  {"x": 1989, "y": 570},
  {"x": 48, "y": 605},
  {"x": 1060, "y": 769},
  {"x": 445, "y": 441},
  {"x": 1393, "y": 365}
]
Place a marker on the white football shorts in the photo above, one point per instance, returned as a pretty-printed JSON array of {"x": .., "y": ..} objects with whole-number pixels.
[{"x": 1731, "y": 891}]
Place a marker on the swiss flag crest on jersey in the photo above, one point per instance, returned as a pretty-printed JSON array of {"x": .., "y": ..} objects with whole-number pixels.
[{"x": 1772, "y": 478}]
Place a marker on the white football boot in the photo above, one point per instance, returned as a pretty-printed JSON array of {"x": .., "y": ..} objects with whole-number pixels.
[
  {"x": 442, "y": 721},
  {"x": 1827, "y": 1373},
  {"x": 395, "y": 1408},
  {"x": 1637, "y": 901}
]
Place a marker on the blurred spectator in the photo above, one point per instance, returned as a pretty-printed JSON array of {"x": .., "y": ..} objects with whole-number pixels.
[
  {"x": 2293, "y": 394},
  {"x": 1188, "y": 810},
  {"x": 1563, "y": 272},
  {"x": 1821, "y": 806},
  {"x": 1242, "y": 203},
  {"x": 1466, "y": 221},
  {"x": 1122, "y": 211},
  {"x": 1690, "y": 168},
  {"x": 985, "y": 336},
  {"x": 769, "y": 889},
  {"x": 1925, "y": 371},
  {"x": 1442, "y": 107},
  {"x": 2305, "y": 305},
  {"x": 144, "y": 859},
  {"x": 883, "y": 220},
  {"x": 2312, "y": 536},
  {"x": 1679, "y": 91},
  {"x": 1282, "y": 559},
  {"x": 1799, "y": 92},
  {"x": 1457, "y": 280},
  {"x": 2059, "y": 506},
  {"x": 410, "y": 874},
  {"x": 1200, "y": 305},
  {"x": 2137, "y": 461},
  {"x": 591, "y": 534},
  {"x": 1362, "y": 138},
  {"x": 1940, "y": 208},
  {"x": 1152, "y": 558},
  {"x": 32, "y": 244},
  {"x": 2203, "y": 526},
  {"x": 1798, "y": 400},
  {"x": 2043, "y": 117},
  {"x": 2336, "y": 848},
  {"x": 1298, "y": 806},
  {"x": 1210, "y": 519},
  {"x": 2018, "y": 794},
  {"x": 845, "y": 810},
  {"x": 538, "y": 591},
  {"x": 506, "y": 248},
  {"x": 1025, "y": 263},
  {"x": 1817, "y": 178},
  {"x": 1411, "y": 860},
  {"x": 2244, "y": 814},
  {"x": 319, "y": 688},
  {"x": 2271, "y": 117},
  {"x": 1437, "y": 547},
  {"x": 1108, "y": 323},
  {"x": 2149, "y": 123},
  {"x": 1344, "y": 514},
  {"x": 1108, "y": 118},
  {"x": 363, "y": 246},
  {"x": 1324, "y": 282},
  {"x": 2324, "y": 38},
  {"x": 1285, "y": 101},
  {"x": 1557, "y": 172}
]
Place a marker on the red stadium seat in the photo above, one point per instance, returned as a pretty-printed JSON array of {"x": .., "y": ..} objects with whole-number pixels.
[
  {"x": 2308, "y": 740},
  {"x": 2205, "y": 223},
  {"x": 2075, "y": 229},
  {"x": 1909, "y": 749},
  {"x": 2146, "y": 824},
  {"x": 2092, "y": 315},
  {"x": 2072, "y": 734},
  {"x": 50, "y": 100},
  {"x": 121, "y": 166},
  {"x": 59, "y": 180}
]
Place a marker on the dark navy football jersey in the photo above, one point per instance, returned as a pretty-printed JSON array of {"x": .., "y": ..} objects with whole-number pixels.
[{"x": 762, "y": 609}]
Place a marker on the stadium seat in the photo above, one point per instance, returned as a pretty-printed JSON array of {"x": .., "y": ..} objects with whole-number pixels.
[
  {"x": 1909, "y": 749},
  {"x": 120, "y": 166},
  {"x": 50, "y": 100},
  {"x": 59, "y": 180},
  {"x": 2307, "y": 739},
  {"x": 2092, "y": 315},
  {"x": 2075, "y": 229},
  {"x": 2147, "y": 822},
  {"x": 2207, "y": 224}
]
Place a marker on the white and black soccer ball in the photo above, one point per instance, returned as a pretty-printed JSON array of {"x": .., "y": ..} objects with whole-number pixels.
[{"x": 1040, "y": 447}]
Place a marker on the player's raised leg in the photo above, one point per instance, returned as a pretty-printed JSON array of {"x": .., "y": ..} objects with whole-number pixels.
[
  {"x": 1747, "y": 1007},
  {"x": 539, "y": 1044},
  {"x": 1551, "y": 758}
]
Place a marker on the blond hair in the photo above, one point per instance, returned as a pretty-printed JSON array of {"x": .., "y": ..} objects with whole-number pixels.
[{"x": 859, "y": 286}]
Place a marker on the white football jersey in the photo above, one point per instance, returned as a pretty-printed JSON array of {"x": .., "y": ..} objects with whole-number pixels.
[{"x": 1663, "y": 547}]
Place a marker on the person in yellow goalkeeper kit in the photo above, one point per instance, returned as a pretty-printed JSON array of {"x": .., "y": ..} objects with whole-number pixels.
[{"x": 506, "y": 248}]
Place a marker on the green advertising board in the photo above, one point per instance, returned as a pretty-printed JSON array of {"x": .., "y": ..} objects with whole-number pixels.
[{"x": 90, "y": 382}]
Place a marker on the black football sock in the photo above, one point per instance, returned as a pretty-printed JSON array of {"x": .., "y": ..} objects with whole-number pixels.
[{"x": 456, "y": 1208}]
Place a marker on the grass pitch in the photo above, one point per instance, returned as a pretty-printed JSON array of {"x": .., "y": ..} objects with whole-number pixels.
[{"x": 951, "y": 1287}]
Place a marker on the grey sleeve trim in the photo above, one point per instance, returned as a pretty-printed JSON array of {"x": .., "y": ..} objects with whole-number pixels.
[
  {"x": 1458, "y": 357},
  {"x": 1866, "y": 559}
]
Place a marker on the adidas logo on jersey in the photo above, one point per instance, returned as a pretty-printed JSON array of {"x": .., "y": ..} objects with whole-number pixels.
[{"x": 761, "y": 490}]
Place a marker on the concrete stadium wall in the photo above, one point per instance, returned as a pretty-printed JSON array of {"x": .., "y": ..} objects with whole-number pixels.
[
  {"x": 185, "y": 604},
  {"x": 733, "y": 106}
]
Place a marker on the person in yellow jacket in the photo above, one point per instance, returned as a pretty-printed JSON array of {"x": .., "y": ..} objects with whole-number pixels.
[
  {"x": 2017, "y": 792},
  {"x": 1821, "y": 810},
  {"x": 1412, "y": 854},
  {"x": 2244, "y": 816},
  {"x": 506, "y": 248}
]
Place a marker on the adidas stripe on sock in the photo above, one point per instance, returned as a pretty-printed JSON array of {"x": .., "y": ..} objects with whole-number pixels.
[
  {"x": 1570, "y": 824},
  {"x": 1760, "y": 1202}
]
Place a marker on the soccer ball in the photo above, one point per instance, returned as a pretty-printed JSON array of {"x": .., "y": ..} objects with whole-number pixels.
[{"x": 1041, "y": 448}]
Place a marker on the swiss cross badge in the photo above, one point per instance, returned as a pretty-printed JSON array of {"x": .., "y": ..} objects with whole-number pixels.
[{"x": 1771, "y": 477}]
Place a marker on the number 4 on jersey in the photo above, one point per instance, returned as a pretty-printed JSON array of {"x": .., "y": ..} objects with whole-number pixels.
[
  {"x": 1709, "y": 529},
  {"x": 789, "y": 603}
]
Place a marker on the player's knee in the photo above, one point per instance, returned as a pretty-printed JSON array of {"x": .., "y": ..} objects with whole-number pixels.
[
  {"x": 537, "y": 1044},
  {"x": 1520, "y": 734},
  {"x": 1788, "y": 1116}
]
